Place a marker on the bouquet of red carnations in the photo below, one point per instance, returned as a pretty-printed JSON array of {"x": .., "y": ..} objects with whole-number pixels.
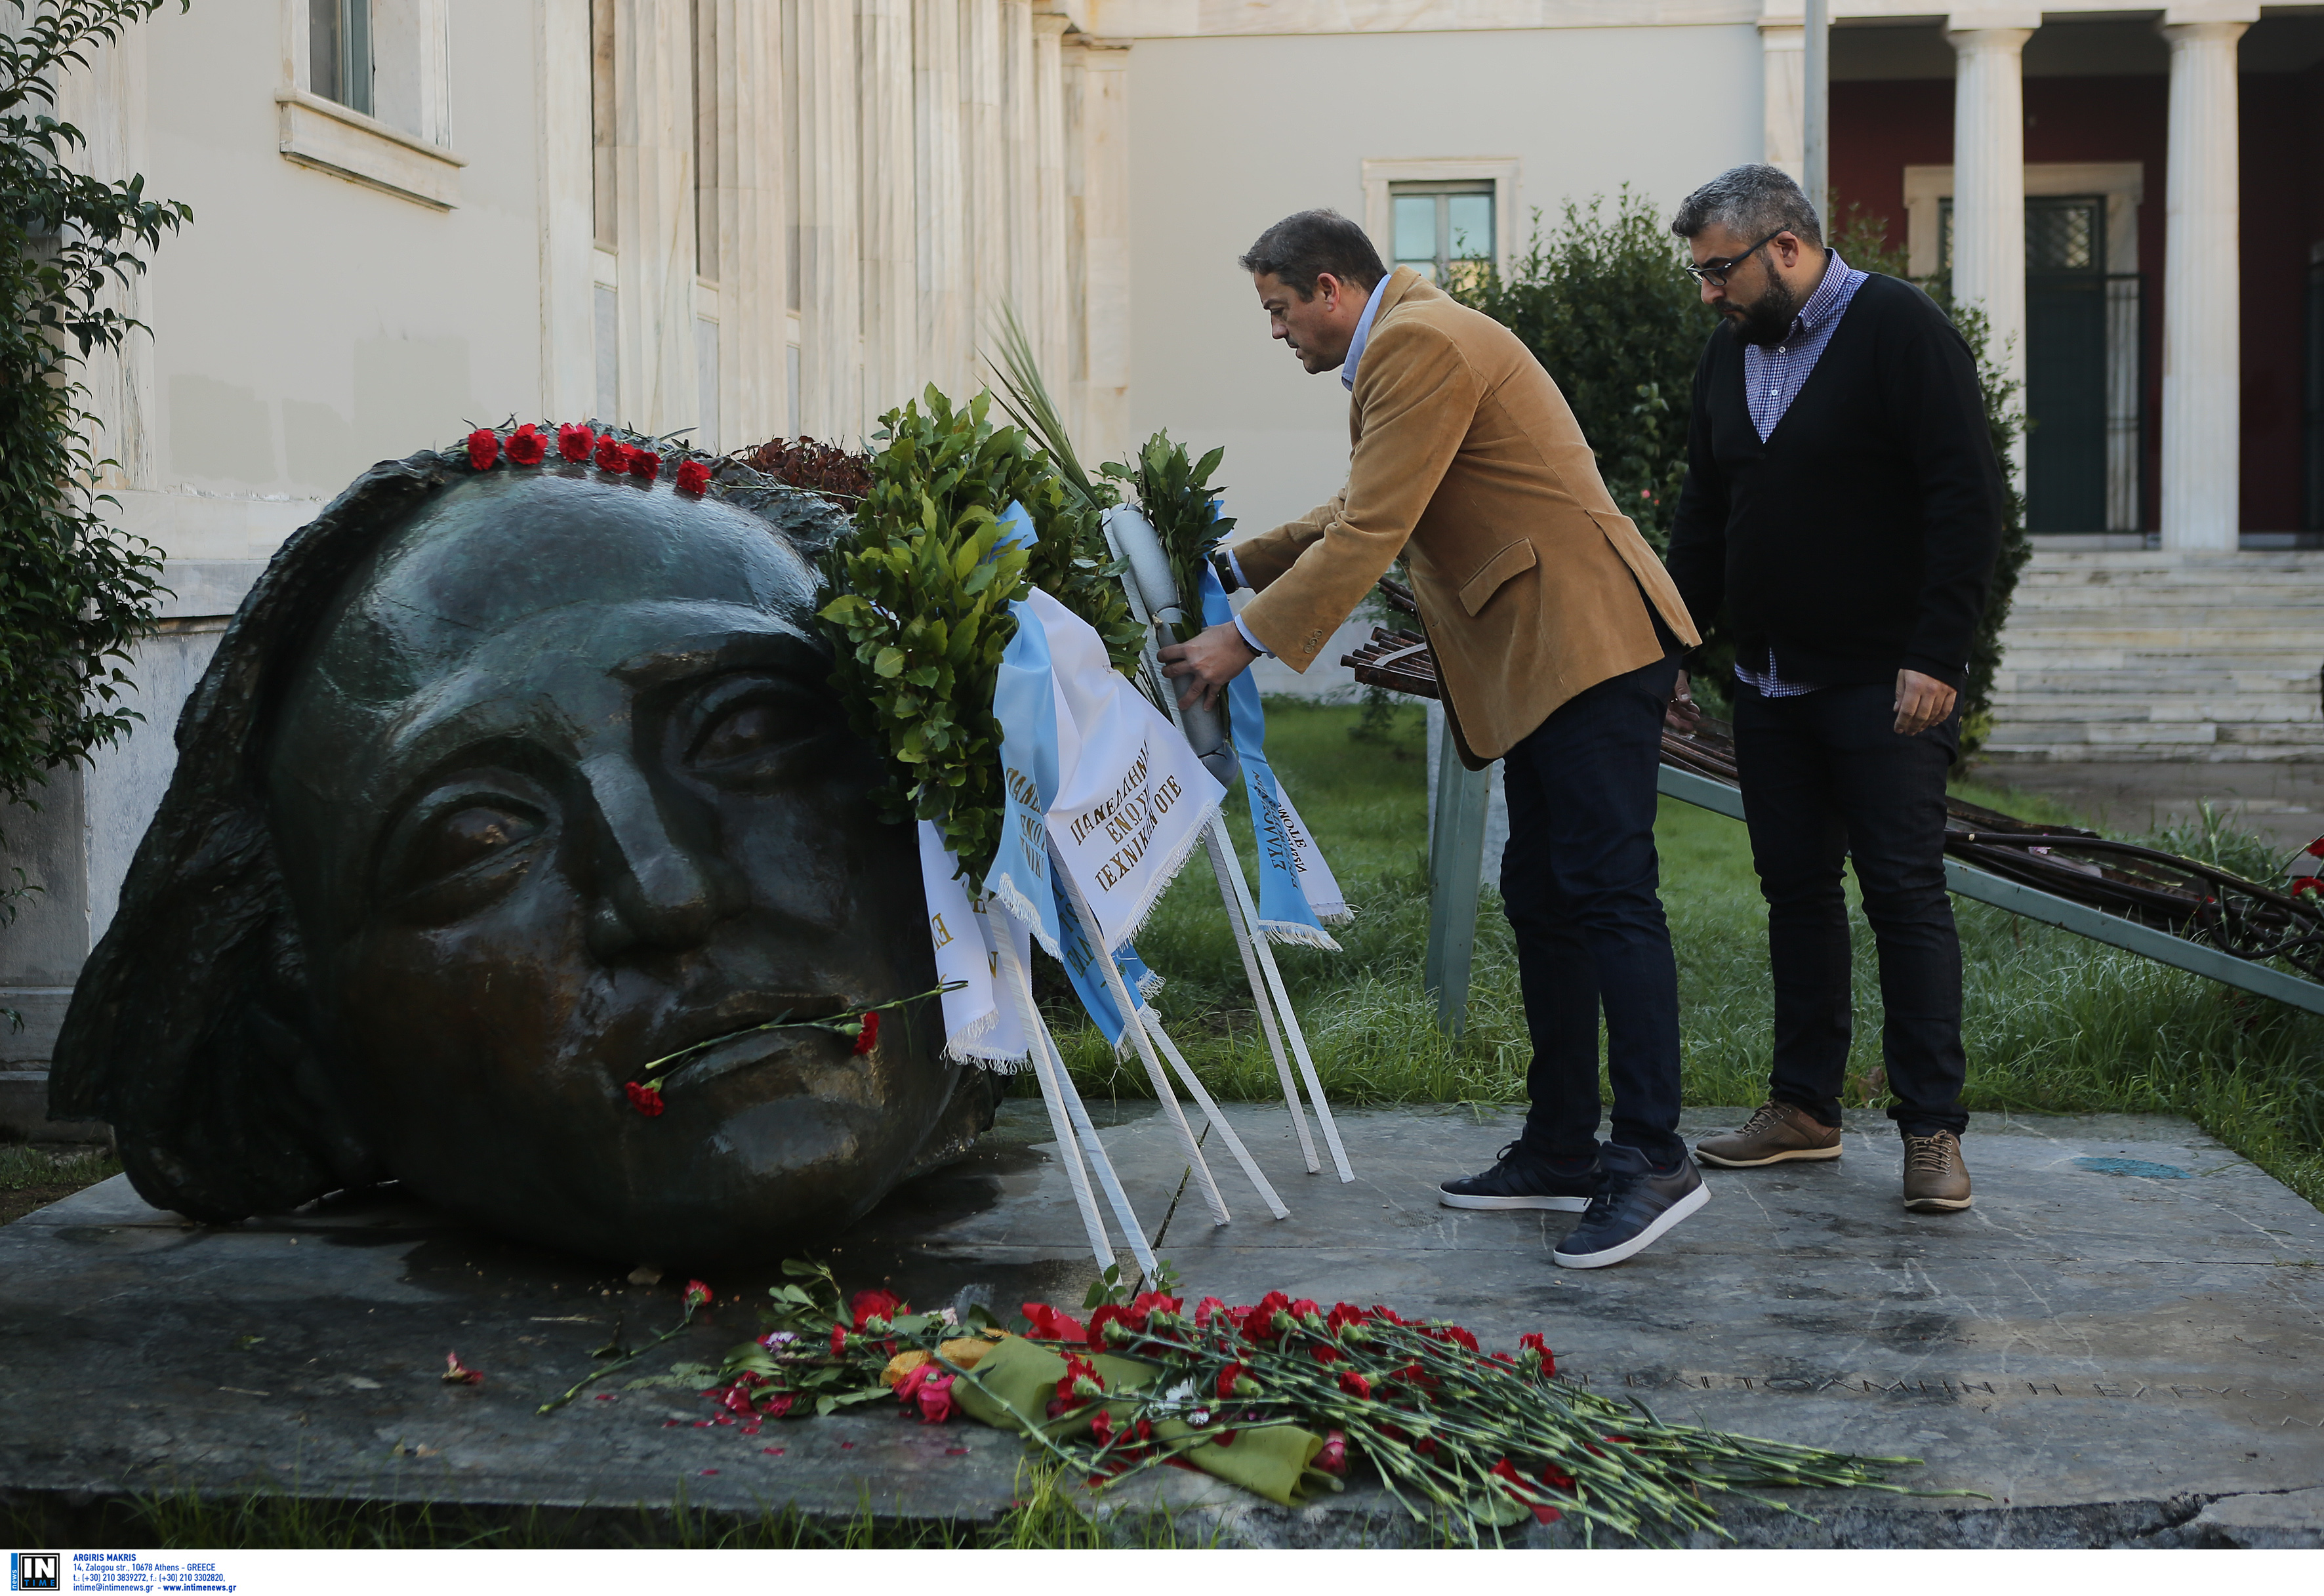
[{"x": 1282, "y": 1397}]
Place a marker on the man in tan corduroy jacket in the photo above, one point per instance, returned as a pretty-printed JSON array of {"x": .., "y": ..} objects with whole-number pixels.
[{"x": 1558, "y": 636}]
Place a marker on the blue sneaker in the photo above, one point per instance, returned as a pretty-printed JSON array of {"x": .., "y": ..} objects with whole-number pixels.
[
  {"x": 1520, "y": 1180},
  {"x": 1634, "y": 1209}
]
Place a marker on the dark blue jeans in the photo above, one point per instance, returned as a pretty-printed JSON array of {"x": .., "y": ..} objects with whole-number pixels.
[
  {"x": 1826, "y": 778},
  {"x": 1578, "y": 883}
]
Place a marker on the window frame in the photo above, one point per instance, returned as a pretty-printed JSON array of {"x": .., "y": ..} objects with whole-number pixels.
[
  {"x": 1380, "y": 175},
  {"x": 328, "y": 136}
]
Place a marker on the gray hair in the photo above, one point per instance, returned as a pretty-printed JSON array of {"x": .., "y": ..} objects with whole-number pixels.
[{"x": 1749, "y": 201}]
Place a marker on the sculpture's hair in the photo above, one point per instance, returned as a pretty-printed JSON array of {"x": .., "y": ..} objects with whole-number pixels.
[{"x": 191, "y": 1029}]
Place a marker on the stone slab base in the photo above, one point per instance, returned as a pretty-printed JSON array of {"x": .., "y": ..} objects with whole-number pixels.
[{"x": 2112, "y": 1359}]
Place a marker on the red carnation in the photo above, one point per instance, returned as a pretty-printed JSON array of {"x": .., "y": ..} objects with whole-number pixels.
[
  {"x": 1355, "y": 1385},
  {"x": 483, "y": 447},
  {"x": 646, "y": 1100},
  {"x": 1108, "y": 1315},
  {"x": 644, "y": 462},
  {"x": 1234, "y": 1380},
  {"x": 612, "y": 455},
  {"x": 867, "y": 1033},
  {"x": 456, "y": 1373},
  {"x": 839, "y": 1340},
  {"x": 1540, "y": 1349},
  {"x": 882, "y": 1305},
  {"x": 1204, "y": 1309},
  {"x": 575, "y": 442},
  {"x": 527, "y": 444},
  {"x": 697, "y": 1295},
  {"x": 693, "y": 477},
  {"x": 1332, "y": 1457}
]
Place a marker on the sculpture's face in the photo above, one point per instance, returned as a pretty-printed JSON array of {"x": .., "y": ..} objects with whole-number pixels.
[{"x": 560, "y": 788}]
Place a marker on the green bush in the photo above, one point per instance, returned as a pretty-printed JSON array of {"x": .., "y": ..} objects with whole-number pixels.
[{"x": 1604, "y": 305}]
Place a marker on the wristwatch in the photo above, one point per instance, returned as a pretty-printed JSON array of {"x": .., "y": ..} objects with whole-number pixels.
[{"x": 1225, "y": 568}]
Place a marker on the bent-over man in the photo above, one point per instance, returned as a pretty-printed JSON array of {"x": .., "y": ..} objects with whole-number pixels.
[
  {"x": 1844, "y": 504},
  {"x": 1557, "y": 635}
]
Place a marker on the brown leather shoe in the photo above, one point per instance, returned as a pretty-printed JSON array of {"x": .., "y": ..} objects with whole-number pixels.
[
  {"x": 1936, "y": 1180},
  {"x": 1777, "y": 1133}
]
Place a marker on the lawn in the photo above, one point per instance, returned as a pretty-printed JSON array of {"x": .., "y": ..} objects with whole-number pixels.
[{"x": 2054, "y": 1023}]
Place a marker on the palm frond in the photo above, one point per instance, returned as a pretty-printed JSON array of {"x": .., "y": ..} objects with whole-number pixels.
[{"x": 1026, "y": 397}]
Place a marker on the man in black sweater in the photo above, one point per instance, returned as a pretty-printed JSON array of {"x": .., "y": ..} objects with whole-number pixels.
[{"x": 1843, "y": 508}]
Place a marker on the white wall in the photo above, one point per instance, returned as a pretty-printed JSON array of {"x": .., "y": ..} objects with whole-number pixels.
[
  {"x": 306, "y": 326},
  {"x": 1229, "y": 134}
]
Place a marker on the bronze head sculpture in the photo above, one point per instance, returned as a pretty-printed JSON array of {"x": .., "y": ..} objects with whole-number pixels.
[{"x": 501, "y": 784}]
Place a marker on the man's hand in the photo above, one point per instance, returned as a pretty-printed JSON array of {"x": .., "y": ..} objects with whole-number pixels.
[
  {"x": 1921, "y": 701},
  {"x": 1209, "y": 660},
  {"x": 1680, "y": 714}
]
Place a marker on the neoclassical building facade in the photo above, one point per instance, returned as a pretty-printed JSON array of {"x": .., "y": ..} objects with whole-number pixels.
[{"x": 742, "y": 218}]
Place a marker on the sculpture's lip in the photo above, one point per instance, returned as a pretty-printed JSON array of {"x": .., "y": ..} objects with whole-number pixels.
[
  {"x": 727, "y": 1036},
  {"x": 743, "y": 1052}
]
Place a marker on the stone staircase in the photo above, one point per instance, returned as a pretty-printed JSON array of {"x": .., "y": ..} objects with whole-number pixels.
[{"x": 2163, "y": 655}]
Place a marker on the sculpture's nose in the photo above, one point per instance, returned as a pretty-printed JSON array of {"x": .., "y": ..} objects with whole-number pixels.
[{"x": 652, "y": 890}]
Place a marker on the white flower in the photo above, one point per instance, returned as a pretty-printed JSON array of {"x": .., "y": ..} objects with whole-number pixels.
[
  {"x": 1175, "y": 1398},
  {"x": 951, "y": 1317}
]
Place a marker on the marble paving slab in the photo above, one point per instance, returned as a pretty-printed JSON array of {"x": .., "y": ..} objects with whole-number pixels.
[{"x": 2123, "y": 1343}]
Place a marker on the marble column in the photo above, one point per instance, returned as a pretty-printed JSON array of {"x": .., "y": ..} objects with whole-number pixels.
[
  {"x": 984, "y": 168},
  {"x": 742, "y": 78},
  {"x": 943, "y": 277},
  {"x": 1101, "y": 192},
  {"x": 2202, "y": 326},
  {"x": 891, "y": 229},
  {"x": 830, "y": 271},
  {"x": 1988, "y": 260},
  {"x": 1781, "y": 55},
  {"x": 1021, "y": 223},
  {"x": 568, "y": 356},
  {"x": 1052, "y": 291},
  {"x": 653, "y": 198}
]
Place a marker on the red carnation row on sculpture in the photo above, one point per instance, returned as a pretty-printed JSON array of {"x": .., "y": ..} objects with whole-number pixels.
[{"x": 527, "y": 444}]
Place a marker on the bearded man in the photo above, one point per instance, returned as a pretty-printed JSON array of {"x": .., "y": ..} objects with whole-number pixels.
[
  {"x": 1557, "y": 634},
  {"x": 1843, "y": 507}
]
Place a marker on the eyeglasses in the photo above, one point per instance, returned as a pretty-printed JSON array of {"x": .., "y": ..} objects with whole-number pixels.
[{"x": 1714, "y": 273}]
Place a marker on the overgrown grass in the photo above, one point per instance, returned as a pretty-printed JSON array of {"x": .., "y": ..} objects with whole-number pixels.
[
  {"x": 24, "y": 1167},
  {"x": 2053, "y": 1022}
]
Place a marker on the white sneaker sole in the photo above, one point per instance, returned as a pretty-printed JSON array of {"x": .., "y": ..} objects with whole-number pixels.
[
  {"x": 1554, "y": 1204},
  {"x": 1644, "y": 1239}
]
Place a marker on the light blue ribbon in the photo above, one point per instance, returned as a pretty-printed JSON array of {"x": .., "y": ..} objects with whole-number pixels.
[
  {"x": 1282, "y": 901},
  {"x": 1079, "y": 956},
  {"x": 1026, "y": 705}
]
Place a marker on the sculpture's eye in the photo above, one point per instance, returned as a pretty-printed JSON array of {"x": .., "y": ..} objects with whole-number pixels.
[
  {"x": 458, "y": 840},
  {"x": 458, "y": 848},
  {"x": 752, "y": 729},
  {"x": 745, "y": 725}
]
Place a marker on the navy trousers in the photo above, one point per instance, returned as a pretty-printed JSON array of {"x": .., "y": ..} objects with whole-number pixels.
[
  {"x": 1826, "y": 778},
  {"x": 1577, "y": 883}
]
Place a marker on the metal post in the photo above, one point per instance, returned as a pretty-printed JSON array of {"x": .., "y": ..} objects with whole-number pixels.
[
  {"x": 1816, "y": 100},
  {"x": 1456, "y": 862}
]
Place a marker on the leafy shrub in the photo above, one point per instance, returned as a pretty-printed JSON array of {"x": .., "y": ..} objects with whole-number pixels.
[
  {"x": 74, "y": 592},
  {"x": 1605, "y": 306}
]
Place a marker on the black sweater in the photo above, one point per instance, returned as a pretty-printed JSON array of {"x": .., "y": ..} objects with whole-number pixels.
[{"x": 1860, "y": 536}]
